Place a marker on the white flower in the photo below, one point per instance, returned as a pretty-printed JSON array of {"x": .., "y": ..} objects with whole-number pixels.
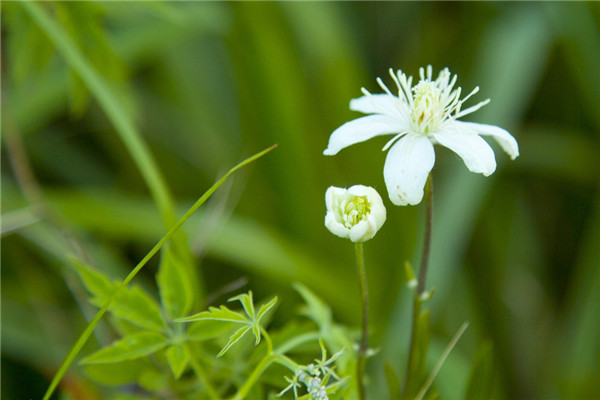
[
  {"x": 356, "y": 213},
  {"x": 421, "y": 116}
]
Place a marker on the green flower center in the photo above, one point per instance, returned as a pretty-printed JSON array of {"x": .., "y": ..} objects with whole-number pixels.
[{"x": 355, "y": 211}]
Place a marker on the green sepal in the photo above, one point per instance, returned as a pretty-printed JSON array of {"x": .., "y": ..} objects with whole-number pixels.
[
  {"x": 411, "y": 280},
  {"x": 178, "y": 358},
  {"x": 131, "y": 304},
  {"x": 175, "y": 285},
  {"x": 128, "y": 348},
  {"x": 481, "y": 379}
]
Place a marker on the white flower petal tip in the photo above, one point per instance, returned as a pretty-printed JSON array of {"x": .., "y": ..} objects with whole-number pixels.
[
  {"x": 406, "y": 168},
  {"x": 356, "y": 213},
  {"x": 428, "y": 110}
]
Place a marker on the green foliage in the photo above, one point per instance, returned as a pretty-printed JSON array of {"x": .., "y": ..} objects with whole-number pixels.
[
  {"x": 128, "y": 348},
  {"x": 131, "y": 304},
  {"x": 481, "y": 380},
  {"x": 176, "y": 289},
  {"x": 178, "y": 358},
  {"x": 250, "y": 321},
  {"x": 111, "y": 100}
]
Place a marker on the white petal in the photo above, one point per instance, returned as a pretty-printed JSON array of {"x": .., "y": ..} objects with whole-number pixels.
[
  {"x": 359, "y": 130},
  {"x": 332, "y": 196},
  {"x": 376, "y": 104},
  {"x": 504, "y": 139},
  {"x": 335, "y": 227},
  {"x": 378, "y": 212},
  {"x": 361, "y": 232},
  {"x": 407, "y": 166},
  {"x": 475, "y": 152}
]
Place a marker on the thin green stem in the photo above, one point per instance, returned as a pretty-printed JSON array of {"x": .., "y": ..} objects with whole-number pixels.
[
  {"x": 297, "y": 341},
  {"x": 427, "y": 241},
  {"x": 70, "y": 357},
  {"x": 418, "y": 301},
  {"x": 201, "y": 374},
  {"x": 364, "y": 340}
]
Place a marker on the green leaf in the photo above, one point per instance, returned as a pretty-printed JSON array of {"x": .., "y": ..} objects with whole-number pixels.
[
  {"x": 422, "y": 344},
  {"x": 247, "y": 303},
  {"x": 178, "y": 359},
  {"x": 207, "y": 329},
  {"x": 118, "y": 373},
  {"x": 221, "y": 314},
  {"x": 176, "y": 291},
  {"x": 135, "y": 305},
  {"x": 256, "y": 323},
  {"x": 233, "y": 339},
  {"x": 95, "y": 282},
  {"x": 481, "y": 379},
  {"x": 315, "y": 308},
  {"x": 131, "y": 304},
  {"x": 265, "y": 308},
  {"x": 393, "y": 380},
  {"x": 128, "y": 348}
]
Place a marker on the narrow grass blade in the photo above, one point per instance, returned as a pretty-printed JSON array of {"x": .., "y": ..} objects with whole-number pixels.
[{"x": 441, "y": 361}]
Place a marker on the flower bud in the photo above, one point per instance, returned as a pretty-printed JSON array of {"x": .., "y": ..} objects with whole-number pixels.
[{"x": 356, "y": 213}]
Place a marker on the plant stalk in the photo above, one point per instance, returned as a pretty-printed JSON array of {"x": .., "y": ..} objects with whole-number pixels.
[
  {"x": 418, "y": 301},
  {"x": 364, "y": 341}
]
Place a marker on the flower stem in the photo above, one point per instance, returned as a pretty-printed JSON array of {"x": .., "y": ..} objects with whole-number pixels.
[
  {"x": 258, "y": 370},
  {"x": 427, "y": 241},
  {"x": 364, "y": 341},
  {"x": 418, "y": 300}
]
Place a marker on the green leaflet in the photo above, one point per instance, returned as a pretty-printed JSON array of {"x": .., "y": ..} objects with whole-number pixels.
[
  {"x": 174, "y": 283},
  {"x": 221, "y": 314},
  {"x": 178, "y": 358},
  {"x": 128, "y": 348},
  {"x": 131, "y": 304},
  {"x": 206, "y": 329},
  {"x": 118, "y": 373},
  {"x": 393, "y": 380},
  {"x": 251, "y": 321},
  {"x": 422, "y": 344},
  {"x": 315, "y": 308},
  {"x": 247, "y": 303},
  {"x": 481, "y": 379},
  {"x": 233, "y": 339}
]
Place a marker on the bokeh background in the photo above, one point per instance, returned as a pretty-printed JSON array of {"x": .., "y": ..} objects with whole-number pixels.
[{"x": 207, "y": 84}]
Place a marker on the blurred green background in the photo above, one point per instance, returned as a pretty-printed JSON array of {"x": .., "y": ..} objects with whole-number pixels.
[{"x": 207, "y": 84}]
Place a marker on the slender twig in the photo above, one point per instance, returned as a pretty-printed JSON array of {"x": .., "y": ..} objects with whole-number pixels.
[
  {"x": 418, "y": 301},
  {"x": 364, "y": 341}
]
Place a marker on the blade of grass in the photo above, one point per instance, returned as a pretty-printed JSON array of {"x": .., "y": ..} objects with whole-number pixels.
[
  {"x": 70, "y": 357},
  {"x": 112, "y": 107},
  {"x": 441, "y": 361}
]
